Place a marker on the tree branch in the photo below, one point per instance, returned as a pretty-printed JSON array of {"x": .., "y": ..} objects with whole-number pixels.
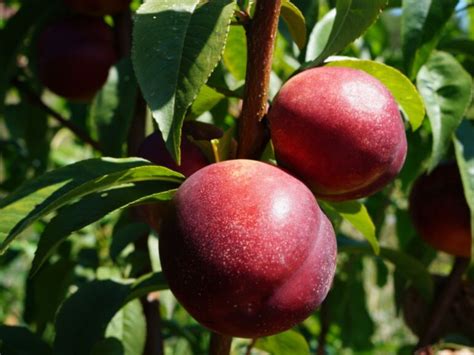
[
  {"x": 36, "y": 100},
  {"x": 443, "y": 301},
  {"x": 261, "y": 34}
]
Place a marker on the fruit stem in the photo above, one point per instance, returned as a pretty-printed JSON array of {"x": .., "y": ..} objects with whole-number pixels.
[
  {"x": 261, "y": 33},
  {"x": 220, "y": 344},
  {"x": 36, "y": 100},
  {"x": 442, "y": 303}
]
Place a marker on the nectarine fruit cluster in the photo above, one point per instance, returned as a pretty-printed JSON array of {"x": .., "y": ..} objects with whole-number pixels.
[
  {"x": 76, "y": 53},
  {"x": 244, "y": 245}
]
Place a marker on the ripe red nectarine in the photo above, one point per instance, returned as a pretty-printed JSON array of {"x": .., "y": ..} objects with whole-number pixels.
[
  {"x": 440, "y": 212},
  {"x": 75, "y": 55},
  {"x": 339, "y": 130},
  {"x": 246, "y": 249},
  {"x": 98, "y": 7}
]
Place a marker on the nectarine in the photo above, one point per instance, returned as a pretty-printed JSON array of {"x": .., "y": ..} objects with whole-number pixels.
[
  {"x": 440, "y": 212},
  {"x": 339, "y": 130},
  {"x": 75, "y": 55},
  {"x": 246, "y": 249}
]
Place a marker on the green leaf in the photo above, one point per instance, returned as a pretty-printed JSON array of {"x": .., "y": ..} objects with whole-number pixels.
[
  {"x": 83, "y": 318},
  {"x": 92, "y": 208},
  {"x": 21, "y": 341},
  {"x": 356, "y": 214},
  {"x": 289, "y": 342},
  {"x": 422, "y": 22},
  {"x": 205, "y": 101},
  {"x": 320, "y": 35},
  {"x": 235, "y": 53},
  {"x": 113, "y": 107},
  {"x": 446, "y": 89},
  {"x": 129, "y": 326},
  {"x": 57, "y": 188},
  {"x": 464, "y": 146},
  {"x": 176, "y": 46},
  {"x": 400, "y": 86},
  {"x": 353, "y": 17},
  {"x": 295, "y": 21},
  {"x": 410, "y": 267}
]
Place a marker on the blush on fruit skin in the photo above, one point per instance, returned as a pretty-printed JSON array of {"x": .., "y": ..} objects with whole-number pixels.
[
  {"x": 339, "y": 130},
  {"x": 246, "y": 249},
  {"x": 98, "y": 7},
  {"x": 75, "y": 55},
  {"x": 440, "y": 212}
]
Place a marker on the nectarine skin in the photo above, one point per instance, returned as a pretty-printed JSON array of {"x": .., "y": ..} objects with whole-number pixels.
[
  {"x": 75, "y": 55},
  {"x": 246, "y": 249},
  {"x": 339, "y": 130},
  {"x": 440, "y": 212},
  {"x": 98, "y": 7}
]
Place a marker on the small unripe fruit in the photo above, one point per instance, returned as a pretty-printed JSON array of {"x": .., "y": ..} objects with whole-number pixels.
[
  {"x": 440, "y": 212},
  {"x": 75, "y": 55},
  {"x": 98, "y": 7},
  {"x": 339, "y": 130},
  {"x": 246, "y": 249}
]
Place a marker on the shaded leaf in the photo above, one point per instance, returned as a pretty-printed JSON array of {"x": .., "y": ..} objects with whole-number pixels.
[
  {"x": 446, "y": 89},
  {"x": 83, "y": 318},
  {"x": 112, "y": 109},
  {"x": 21, "y": 341}
]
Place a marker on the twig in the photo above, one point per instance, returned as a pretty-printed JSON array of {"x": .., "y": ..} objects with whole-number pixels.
[
  {"x": 220, "y": 344},
  {"x": 325, "y": 323},
  {"x": 443, "y": 301},
  {"x": 250, "y": 346},
  {"x": 261, "y": 34},
  {"x": 36, "y": 100}
]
